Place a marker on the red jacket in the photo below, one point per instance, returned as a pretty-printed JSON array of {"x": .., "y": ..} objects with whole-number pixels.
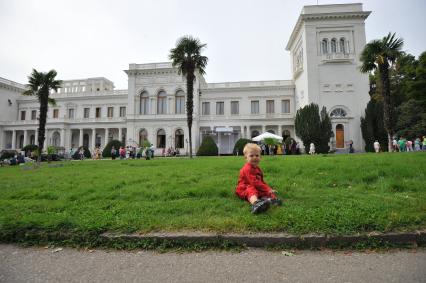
[{"x": 251, "y": 178}]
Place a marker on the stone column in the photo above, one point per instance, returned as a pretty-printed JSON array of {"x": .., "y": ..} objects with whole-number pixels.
[
  {"x": 2, "y": 134},
  {"x": 36, "y": 136},
  {"x": 63, "y": 137},
  {"x": 25, "y": 138},
  {"x": 93, "y": 139},
  {"x": 280, "y": 131},
  {"x": 46, "y": 140},
  {"x": 80, "y": 138},
  {"x": 106, "y": 136},
  {"x": 120, "y": 134},
  {"x": 13, "y": 139},
  {"x": 263, "y": 129}
]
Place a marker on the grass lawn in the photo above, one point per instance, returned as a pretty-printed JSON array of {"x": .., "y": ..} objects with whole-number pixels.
[{"x": 331, "y": 194}]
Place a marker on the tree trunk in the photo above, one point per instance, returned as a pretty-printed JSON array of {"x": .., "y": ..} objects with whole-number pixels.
[
  {"x": 42, "y": 125},
  {"x": 190, "y": 77},
  {"x": 387, "y": 102}
]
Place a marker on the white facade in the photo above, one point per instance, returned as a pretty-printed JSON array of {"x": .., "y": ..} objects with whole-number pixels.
[{"x": 325, "y": 46}]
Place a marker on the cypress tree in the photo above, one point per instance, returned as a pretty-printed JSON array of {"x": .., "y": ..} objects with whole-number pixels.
[{"x": 312, "y": 127}]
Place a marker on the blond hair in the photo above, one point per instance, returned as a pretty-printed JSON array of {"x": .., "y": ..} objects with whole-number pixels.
[{"x": 251, "y": 147}]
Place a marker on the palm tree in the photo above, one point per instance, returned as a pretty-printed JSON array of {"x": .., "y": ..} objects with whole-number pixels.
[
  {"x": 186, "y": 56},
  {"x": 40, "y": 84},
  {"x": 381, "y": 55}
]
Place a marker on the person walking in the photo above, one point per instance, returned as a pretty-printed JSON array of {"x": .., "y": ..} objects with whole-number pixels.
[{"x": 376, "y": 146}]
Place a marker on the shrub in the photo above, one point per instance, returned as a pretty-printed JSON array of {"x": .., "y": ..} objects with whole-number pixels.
[
  {"x": 107, "y": 150},
  {"x": 239, "y": 146},
  {"x": 87, "y": 153},
  {"x": 30, "y": 148},
  {"x": 8, "y": 153},
  {"x": 208, "y": 147}
]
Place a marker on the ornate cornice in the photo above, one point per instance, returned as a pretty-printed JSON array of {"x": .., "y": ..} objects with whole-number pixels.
[
  {"x": 323, "y": 16},
  {"x": 11, "y": 85}
]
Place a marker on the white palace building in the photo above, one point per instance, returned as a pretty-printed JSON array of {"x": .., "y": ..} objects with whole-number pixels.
[{"x": 325, "y": 47}]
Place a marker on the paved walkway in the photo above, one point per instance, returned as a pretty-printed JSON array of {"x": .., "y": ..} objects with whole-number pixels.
[{"x": 19, "y": 264}]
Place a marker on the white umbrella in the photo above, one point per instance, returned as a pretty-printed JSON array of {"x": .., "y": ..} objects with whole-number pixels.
[{"x": 267, "y": 135}]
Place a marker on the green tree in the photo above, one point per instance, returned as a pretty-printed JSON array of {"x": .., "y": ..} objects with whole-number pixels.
[
  {"x": 372, "y": 125},
  {"x": 411, "y": 119},
  {"x": 326, "y": 132},
  {"x": 40, "y": 84},
  {"x": 313, "y": 127},
  {"x": 186, "y": 56},
  {"x": 381, "y": 55}
]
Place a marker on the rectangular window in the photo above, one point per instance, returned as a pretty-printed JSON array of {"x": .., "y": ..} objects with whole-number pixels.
[
  {"x": 98, "y": 112},
  {"x": 180, "y": 104},
  {"x": 206, "y": 108},
  {"x": 55, "y": 113},
  {"x": 33, "y": 114},
  {"x": 235, "y": 108},
  {"x": 220, "y": 108},
  {"x": 270, "y": 106},
  {"x": 255, "y": 107},
  {"x": 122, "y": 111},
  {"x": 86, "y": 113},
  {"x": 110, "y": 112},
  {"x": 285, "y": 106},
  {"x": 71, "y": 113},
  {"x": 22, "y": 115}
]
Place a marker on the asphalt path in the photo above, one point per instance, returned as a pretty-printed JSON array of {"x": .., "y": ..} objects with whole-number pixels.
[{"x": 38, "y": 264}]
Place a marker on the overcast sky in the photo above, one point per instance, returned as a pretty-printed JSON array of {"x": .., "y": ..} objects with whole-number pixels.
[{"x": 245, "y": 39}]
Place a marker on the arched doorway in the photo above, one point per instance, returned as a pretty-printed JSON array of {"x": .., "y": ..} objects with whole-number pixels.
[
  {"x": 86, "y": 140},
  {"x": 21, "y": 141},
  {"x": 254, "y": 133},
  {"x": 161, "y": 138},
  {"x": 56, "y": 139},
  {"x": 143, "y": 136},
  {"x": 179, "y": 137},
  {"x": 286, "y": 134},
  {"x": 340, "y": 136}
]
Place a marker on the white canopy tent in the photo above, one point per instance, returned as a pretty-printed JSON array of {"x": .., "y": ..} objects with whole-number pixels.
[{"x": 267, "y": 135}]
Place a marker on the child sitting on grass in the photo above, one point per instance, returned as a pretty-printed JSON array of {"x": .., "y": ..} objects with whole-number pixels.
[{"x": 251, "y": 186}]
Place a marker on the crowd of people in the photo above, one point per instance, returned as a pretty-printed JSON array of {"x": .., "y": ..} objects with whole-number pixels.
[
  {"x": 280, "y": 149},
  {"x": 404, "y": 145}
]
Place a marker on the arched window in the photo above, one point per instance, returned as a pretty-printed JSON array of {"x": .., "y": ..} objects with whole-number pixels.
[
  {"x": 162, "y": 103},
  {"x": 338, "y": 113},
  {"x": 179, "y": 138},
  {"x": 342, "y": 45},
  {"x": 324, "y": 46},
  {"x": 180, "y": 102},
  {"x": 144, "y": 102},
  {"x": 254, "y": 133},
  {"x": 333, "y": 46},
  {"x": 161, "y": 138},
  {"x": 143, "y": 136}
]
